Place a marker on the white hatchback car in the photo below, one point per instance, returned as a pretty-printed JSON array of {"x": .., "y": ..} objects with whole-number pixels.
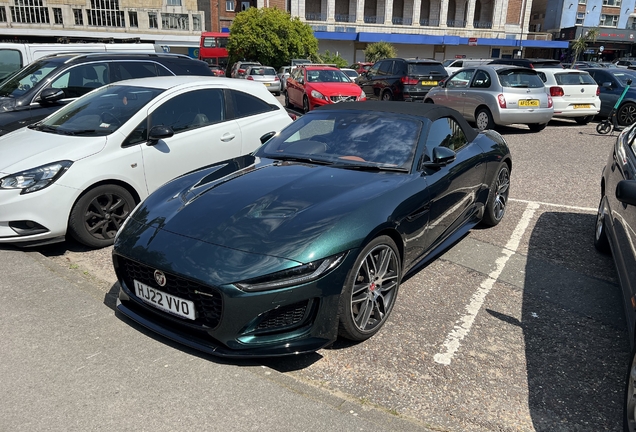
[
  {"x": 574, "y": 92},
  {"x": 83, "y": 169}
]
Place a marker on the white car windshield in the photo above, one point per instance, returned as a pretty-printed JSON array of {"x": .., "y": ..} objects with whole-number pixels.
[{"x": 100, "y": 112}]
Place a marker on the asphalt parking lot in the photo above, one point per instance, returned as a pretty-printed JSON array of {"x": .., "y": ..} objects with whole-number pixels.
[{"x": 517, "y": 327}]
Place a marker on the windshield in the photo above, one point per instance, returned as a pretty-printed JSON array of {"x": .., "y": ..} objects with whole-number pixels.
[
  {"x": 327, "y": 76},
  {"x": 348, "y": 139},
  {"x": 25, "y": 79},
  {"x": 624, "y": 75},
  {"x": 100, "y": 112}
]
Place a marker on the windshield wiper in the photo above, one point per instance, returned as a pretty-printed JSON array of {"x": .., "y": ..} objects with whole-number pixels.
[
  {"x": 76, "y": 132},
  {"x": 301, "y": 159},
  {"x": 370, "y": 167},
  {"x": 43, "y": 128}
]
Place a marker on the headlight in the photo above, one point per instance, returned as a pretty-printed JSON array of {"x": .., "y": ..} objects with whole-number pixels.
[
  {"x": 294, "y": 276},
  {"x": 7, "y": 105},
  {"x": 317, "y": 95},
  {"x": 363, "y": 95},
  {"x": 37, "y": 178}
]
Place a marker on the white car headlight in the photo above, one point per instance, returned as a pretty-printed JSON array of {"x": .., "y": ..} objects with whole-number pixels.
[
  {"x": 37, "y": 178},
  {"x": 363, "y": 95},
  {"x": 317, "y": 95}
]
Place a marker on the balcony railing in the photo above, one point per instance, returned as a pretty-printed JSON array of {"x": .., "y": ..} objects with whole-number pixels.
[
  {"x": 482, "y": 24},
  {"x": 402, "y": 21},
  {"x": 429, "y": 22},
  {"x": 316, "y": 16},
  {"x": 345, "y": 18},
  {"x": 374, "y": 19},
  {"x": 456, "y": 23}
]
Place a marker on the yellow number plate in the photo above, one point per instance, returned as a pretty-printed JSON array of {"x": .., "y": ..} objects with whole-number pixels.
[
  {"x": 576, "y": 106},
  {"x": 266, "y": 84},
  {"x": 528, "y": 102},
  {"x": 429, "y": 83}
]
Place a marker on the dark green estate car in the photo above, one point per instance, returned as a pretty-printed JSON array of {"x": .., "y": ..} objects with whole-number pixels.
[{"x": 280, "y": 251}]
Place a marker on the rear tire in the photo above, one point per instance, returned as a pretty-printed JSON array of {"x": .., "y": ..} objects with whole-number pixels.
[
  {"x": 483, "y": 119},
  {"x": 629, "y": 402},
  {"x": 305, "y": 105},
  {"x": 287, "y": 103},
  {"x": 601, "y": 242},
  {"x": 387, "y": 96},
  {"x": 537, "y": 127},
  {"x": 497, "y": 197},
  {"x": 583, "y": 120}
]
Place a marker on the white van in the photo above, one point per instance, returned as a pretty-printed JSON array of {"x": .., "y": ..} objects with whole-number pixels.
[
  {"x": 452, "y": 65},
  {"x": 14, "y": 56}
]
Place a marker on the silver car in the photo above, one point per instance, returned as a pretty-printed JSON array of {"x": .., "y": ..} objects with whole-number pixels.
[
  {"x": 266, "y": 75},
  {"x": 492, "y": 95}
]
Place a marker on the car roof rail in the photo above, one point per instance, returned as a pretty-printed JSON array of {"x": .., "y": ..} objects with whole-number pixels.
[
  {"x": 76, "y": 56},
  {"x": 316, "y": 64}
]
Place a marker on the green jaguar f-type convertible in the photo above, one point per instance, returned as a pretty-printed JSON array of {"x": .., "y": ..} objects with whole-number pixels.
[{"x": 283, "y": 250}]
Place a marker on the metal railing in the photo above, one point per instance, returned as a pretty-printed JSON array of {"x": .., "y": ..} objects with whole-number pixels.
[
  {"x": 372, "y": 19},
  {"x": 316, "y": 16},
  {"x": 482, "y": 24},
  {"x": 345, "y": 18},
  {"x": 429, "y": 22},
  {"x": 402, "y": 21},
  {"x": 456, "y": 23}
]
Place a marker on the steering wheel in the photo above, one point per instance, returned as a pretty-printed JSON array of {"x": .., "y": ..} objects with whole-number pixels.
[{"x": 106, "y": 115}]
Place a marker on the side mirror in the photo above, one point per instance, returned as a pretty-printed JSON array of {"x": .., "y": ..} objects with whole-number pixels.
[
  {"x": 159, "y": 132},
  {"x": 267, "y": 136},
  {"x": 441, "y": 156},
  {"x": 607, "y": 84},
  {"x": 51, "y": 95},
  {"x": 626, "y": 192}
]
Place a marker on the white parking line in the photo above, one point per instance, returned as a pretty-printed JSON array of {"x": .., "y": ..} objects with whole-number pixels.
[
  {"x": 588, "y": 209},
  {"x": 464, "y": 324}
]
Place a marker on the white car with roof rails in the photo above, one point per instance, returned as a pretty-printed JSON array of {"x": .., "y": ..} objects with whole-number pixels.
[
  {"x": 84, "y": 168},
  {"x": 574, "y": 93}
]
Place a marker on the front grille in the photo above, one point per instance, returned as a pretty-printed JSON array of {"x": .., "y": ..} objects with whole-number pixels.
[
  {"x": 283, "y": 317},
  {"x": 336, "y": 99},
  {"x": 209, "y": 306}
]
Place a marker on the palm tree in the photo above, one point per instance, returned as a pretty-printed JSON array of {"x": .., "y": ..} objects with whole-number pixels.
[{"x": 580, "y": 44}]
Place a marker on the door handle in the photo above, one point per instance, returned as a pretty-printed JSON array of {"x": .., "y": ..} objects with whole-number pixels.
[{"x": 227, "y": 137}]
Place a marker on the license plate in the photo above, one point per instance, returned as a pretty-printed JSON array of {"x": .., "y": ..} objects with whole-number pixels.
[
  {"x": 165, "y": 302},
  {"x": 577, "y": 106},
  {"x": 429, "y": 83},
  {"x": 528, "y": 102},
  {"x": 266, "y": 84}
]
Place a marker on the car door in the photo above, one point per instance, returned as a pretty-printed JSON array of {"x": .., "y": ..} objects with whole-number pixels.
[
  {"x": 455, "y": 90},
  {"x": 475, "y": 96},
  {"x": 453, "y": 187},
  {"x": 296, "y": 87},
  {"x": 202, "y": 135},
  {"x": 371, "y": 84}
]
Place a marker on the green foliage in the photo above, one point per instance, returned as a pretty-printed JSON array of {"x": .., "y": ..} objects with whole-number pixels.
[
  {"x": 336, "y": 59},
  {"x": 378, "y": 51},
  {"x": 580, "y": 45},
  {"x": 270, "y": 36}
]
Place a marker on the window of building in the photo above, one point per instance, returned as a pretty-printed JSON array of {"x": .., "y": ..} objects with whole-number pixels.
[
  {"x": 79, "y": 16},
  {"x": 3, "y": 14},
  {"x": 29, "y": 11},
  {"x": 245, "y": 5},
  {"x": 152, "y": 20},
  {"x": 105, "y": 13},
  {"x": 173, "y": 2},
  {"x": 609, "y": 20},
  {"x": 611, "y": 2},
  {"x": 175, "y": 21},
  {"x": 580, "y": 17},
  {"x": 132, "y": 19},
  {"x": 196, "y": 23},
  {"x": 582, "y": 1},
  {"x": 229, "y": 5},
  {"x": 57, "y": 16}
]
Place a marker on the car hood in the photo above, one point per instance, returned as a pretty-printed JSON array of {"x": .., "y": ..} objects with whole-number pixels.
[
  {"x": 335, "y": 89},
  {"x": 288, "y": 210},
  {"x": 27, "y": 148}
]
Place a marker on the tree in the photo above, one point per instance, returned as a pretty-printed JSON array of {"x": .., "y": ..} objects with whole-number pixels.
[
  {"x": 580, "y": 45},
  {"x": 271, "y": 37},
  {"x": 378, "y": 51},
  {"x": 336, "y": 59}
]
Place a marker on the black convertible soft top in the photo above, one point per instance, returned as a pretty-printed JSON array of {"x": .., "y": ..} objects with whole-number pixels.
[{"x": 425, "y": 110}]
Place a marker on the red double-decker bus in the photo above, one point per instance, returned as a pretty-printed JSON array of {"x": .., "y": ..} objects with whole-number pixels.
[{"x": 213, "y": 48}]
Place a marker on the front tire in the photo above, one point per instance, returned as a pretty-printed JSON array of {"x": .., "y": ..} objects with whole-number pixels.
[
  {"x": 305, "y": 105},
  {"x": 483, "y": 119},
  {"x": 287, "y": 103},
  {"x": 497, "y": 197},
  {"x": 629, "y": 403},
  {"x": 370, "y": 290},
  {"x": 601, "y": 242},
  {"x": 98, "y": 214},
  {"x": 627, "y": 114},
  {"x": 537, "y": 127}
]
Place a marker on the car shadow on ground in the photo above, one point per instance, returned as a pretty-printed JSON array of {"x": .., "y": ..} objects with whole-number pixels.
[{"x": 573, "y": 324}]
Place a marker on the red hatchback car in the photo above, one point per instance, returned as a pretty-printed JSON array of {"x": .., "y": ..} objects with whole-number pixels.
[{"x": 310, "y": 86}]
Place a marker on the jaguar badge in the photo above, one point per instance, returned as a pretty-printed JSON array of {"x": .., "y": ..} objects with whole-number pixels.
[{"x": 160, "y": 278}]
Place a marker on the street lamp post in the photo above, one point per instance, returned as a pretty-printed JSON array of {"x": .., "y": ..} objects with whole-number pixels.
[{"x": 523, "y": 18}]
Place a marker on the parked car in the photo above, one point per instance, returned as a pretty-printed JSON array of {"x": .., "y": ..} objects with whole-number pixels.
[
  {"x": 611, "y": 83},
  {"x": 529, "y": 63},
  {"x": 608, "y": 65},
  {"x": 402, "y": 79},
  {"x": 310, "y": 236},
  {"x": 361, "y": 67},
  {"x": 297, "y": 62},
  {"x": 239, "y": 68},
  {"x": 585, "y": 64},
  {"x": 48, "y": 84},
  {"x": 453, "y": 65},
  {"x": 216, "y": 70},
  {"x": 616, "y": 233},
  {"x": 493, "y": 95},
  {"x": 575, "y": 94},
  {"x": 283, "y": 74},
  {"x": 351, "y": 73},
  {"x": 83, "y": 169},
  {"x": 626, "y": 63},
  {"x": 265, "y": 75},
  {"x": 310, "y": 86}
]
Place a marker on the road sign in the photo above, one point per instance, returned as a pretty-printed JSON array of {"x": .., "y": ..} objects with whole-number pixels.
[
  {"x": 601, "y": 48},
  {"x": 472, "y": 41}
]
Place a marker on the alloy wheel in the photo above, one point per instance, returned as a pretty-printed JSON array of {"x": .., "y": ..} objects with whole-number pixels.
[
  {"x": 630, "y": 397},
  {"x": 375, "y": 288},
  {"x": 105, "y": 214},
  {"x": 627, "y": 114},
  {"x": 482, "y": 120},
  {"x": 501, "y": 197}
]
